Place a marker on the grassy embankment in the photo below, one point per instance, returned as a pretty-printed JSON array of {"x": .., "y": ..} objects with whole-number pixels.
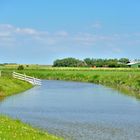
[
  {"x": 10, "y": 86},
  {"x": 14, "y": 129},
  {"x": 126, "y": 80}
]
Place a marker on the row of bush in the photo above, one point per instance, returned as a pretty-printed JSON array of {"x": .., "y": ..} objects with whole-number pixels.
[{"x": 91, "y": 62}]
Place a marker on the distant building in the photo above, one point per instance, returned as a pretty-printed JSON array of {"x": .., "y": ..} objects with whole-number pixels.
[{"x": 134, "y": 64}]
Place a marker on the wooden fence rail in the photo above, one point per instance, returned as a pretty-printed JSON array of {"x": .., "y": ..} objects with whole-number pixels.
[{"x": 32, "y": 80}]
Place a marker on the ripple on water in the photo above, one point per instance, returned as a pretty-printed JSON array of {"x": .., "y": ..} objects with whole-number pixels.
[
  {"x": 95, "y": 131},
  {"x": 77, "y": 111}
]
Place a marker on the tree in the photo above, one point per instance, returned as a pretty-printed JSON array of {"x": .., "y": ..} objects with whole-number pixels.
[
  {"x": 88, "y": 61},
  {"x": 124, "y": 60},
  {"x": 68, "y": 62},
  {"x": 20, "y": 67}
]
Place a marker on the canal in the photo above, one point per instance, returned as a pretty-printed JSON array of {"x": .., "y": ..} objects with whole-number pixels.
[{"x": 77, "y": 111}]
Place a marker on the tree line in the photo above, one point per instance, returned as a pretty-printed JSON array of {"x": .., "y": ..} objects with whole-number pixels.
[{"x": 90, "y": 62}]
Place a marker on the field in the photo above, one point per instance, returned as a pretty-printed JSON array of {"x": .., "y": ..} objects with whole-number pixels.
[{"x": 126, "y": 80}]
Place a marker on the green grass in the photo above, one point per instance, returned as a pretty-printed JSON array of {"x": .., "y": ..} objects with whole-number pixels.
[
  {"x": 16, "y": 130},
  {"x": 126, "y": 80},
  {"x": 10, "y": 86}
]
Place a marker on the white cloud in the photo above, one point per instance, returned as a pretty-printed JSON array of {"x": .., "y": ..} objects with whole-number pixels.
[
  {"x": 85, "y": 39},
  {"x": 96, "y": 25},
  {"x": 6, "y": 27},
  {"x": 17, "y": 40},
  {"x": 4, "y": 34},
  {"x": 27, "y": 31},
  {"x": 92, "y": 39},
  {"x": 61, "y": 33},
  {"x": 6, "y": 30},
  {"x": 17, "y": 35}
]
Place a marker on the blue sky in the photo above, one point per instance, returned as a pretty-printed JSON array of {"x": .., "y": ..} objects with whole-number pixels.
[{"x": 40, "y": 31}]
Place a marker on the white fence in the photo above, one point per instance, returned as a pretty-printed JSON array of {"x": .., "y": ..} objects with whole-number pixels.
[{"x": 32, "y": 80}]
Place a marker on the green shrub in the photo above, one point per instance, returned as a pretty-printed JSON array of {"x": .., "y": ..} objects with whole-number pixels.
[{"x": 20, "y": 67}]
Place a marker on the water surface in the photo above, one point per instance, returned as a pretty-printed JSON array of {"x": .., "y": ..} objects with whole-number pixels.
[{"x": 78, "y": 111}]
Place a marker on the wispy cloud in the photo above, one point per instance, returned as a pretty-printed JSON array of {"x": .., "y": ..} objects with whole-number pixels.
[
  {"x": 61, "y": 33},
  {"x": 26, "y": 39},
  {"x": 27, "y": 31},
  {"x": 6, "y": 30},
  {"x": 9, "y": 31},
  {"x": 96, "y": 25}
]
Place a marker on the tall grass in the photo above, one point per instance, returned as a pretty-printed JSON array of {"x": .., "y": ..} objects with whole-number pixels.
[{"x": 126, "y": 80}]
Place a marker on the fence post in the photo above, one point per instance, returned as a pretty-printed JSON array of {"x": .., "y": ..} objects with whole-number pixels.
[
  {"x": 34, "y": 80},
  {"x": 13, "y": 73},
  {"x": 24, "y": 76}
]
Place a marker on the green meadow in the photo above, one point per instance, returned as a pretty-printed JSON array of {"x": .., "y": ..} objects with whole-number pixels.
[{"x": 127, "y": 80}]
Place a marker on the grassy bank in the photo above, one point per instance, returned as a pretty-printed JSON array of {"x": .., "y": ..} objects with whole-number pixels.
[
  {"x": 15, "y": 130},
  {"x": 10, "y": 86},
  {"x": 126, "y": 80}
]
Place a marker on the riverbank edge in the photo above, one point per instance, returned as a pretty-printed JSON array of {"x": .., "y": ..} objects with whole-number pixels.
[
  {"x": 124, "y": 89},
  {"x": 6, "y": 132},
  {"x": 10, "y": 86},
  {"x": 126, "y": 81},
  {"x": 116, "y": 84}
]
